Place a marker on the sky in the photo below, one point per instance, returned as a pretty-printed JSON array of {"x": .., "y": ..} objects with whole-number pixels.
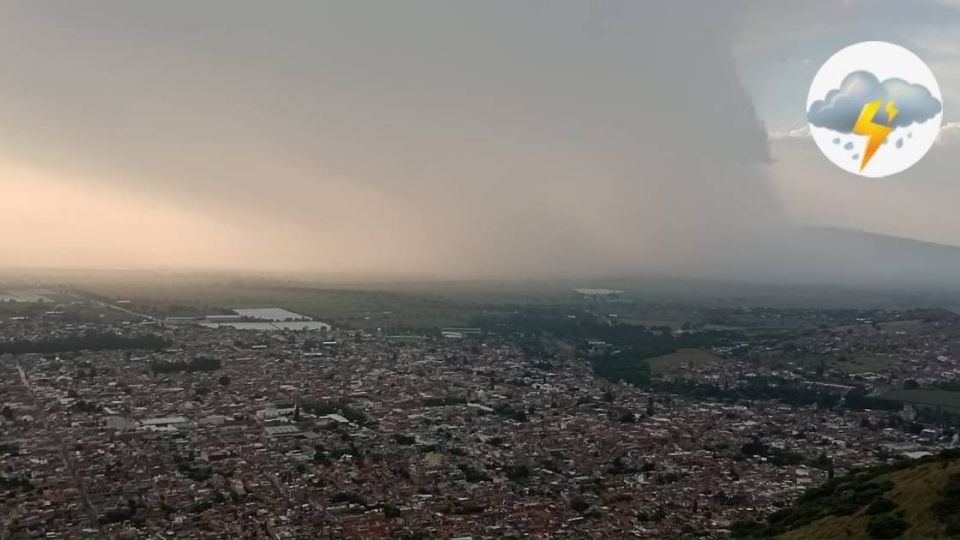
[
  {"x": 439, "y": 138},
  {"x": 920, "y": 203}
]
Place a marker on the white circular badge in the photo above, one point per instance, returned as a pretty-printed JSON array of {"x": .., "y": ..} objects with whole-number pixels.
[{"x": 874, "y": 109}]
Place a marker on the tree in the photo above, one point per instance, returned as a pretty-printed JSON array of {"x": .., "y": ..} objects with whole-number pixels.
[
  {"x": 404, "y": 439},
  {"x": 518, "y": 473},
  {"x": 348, "y": 497},
  {"x": 579, "y": 505},
  {"x": 320, "y": 457}
]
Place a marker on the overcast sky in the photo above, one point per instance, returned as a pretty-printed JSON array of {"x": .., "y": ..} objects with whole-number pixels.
[{"x": 441, "y": 138}]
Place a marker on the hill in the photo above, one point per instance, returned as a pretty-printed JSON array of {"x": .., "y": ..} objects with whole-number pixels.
[{"x": 909, "y": 499}]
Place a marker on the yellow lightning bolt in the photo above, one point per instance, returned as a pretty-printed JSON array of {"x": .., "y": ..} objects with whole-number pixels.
[{"x": 877, "y": 133}]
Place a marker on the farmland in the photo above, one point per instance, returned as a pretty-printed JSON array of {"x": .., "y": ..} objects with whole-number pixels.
[{"x": 678, "y": 362}]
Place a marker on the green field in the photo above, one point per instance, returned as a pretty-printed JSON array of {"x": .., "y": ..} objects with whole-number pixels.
[
  {"x": 865, "y": 364},
  {"x": 342, "y": 307},
  {"x": 400, "y": 307},
  {"x": 676, "y": 363},
  {"x": 928, "y": 398},
  {"x": 391, "y": 306}
]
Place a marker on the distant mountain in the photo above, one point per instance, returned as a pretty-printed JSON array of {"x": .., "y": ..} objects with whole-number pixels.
[
  {"x": 889, "y": 259},
  {"x": 813, "y": 267},
  {"x": 910, "y": 499},
  {"x": 842, "y": 257}
]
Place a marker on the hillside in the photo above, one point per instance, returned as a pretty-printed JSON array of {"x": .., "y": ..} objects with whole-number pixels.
[{"x": 911, "y": 499}]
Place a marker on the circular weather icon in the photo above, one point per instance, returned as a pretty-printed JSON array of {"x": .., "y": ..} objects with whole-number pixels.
[{"x": 874, "y": 109}]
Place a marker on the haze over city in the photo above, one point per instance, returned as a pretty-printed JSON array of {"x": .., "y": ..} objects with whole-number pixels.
[{"x": 467, "y": 140}]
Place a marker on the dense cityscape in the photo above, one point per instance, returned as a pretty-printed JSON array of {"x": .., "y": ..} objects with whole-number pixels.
[{"x": 124, "y": 425}]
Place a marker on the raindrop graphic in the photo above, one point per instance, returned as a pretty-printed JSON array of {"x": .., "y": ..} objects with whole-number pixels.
[
  {"x": 899, "y": 143},
  {"x": 848, "y": 146},
  {"x": 856, "y": 157},
  {"x": 909, "y": 135},
  {"x": 836, "y": 140}
]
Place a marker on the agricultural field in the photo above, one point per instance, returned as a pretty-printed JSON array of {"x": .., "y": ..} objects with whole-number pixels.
[
  {"x": 678, "y": 362},
  {"x": 30, "y": 296},
  {"x": 346, "y": 308},
  {"x": 865, "y": 364},
  {"x": 390, "y": 306}
]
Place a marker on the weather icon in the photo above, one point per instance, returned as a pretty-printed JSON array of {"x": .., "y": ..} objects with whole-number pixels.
[{"x": 874, "y": 109}]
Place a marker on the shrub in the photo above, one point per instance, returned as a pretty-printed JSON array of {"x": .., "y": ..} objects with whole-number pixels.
[
  {"x": 579, "y": 504},
  {"x": 749, "y": 529},
  {"x": 348, "y": 497},
  {"x": 881, "y": 506},
  {"x": 886, "y": 526},
  {"x": 518, "y": 473},
  {"x": 947, "y": 509}
]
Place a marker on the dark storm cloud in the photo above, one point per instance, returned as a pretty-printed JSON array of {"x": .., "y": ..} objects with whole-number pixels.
[
  {"x": 474, "y": 138},
  {"x": 425, "y": 137},
  {"x": 841, "y": 106}
]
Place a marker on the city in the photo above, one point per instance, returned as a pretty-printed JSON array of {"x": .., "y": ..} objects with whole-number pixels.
[{"x": 213, "y": 431}]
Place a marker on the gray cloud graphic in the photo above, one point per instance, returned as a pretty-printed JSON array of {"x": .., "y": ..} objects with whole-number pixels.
[{"x": 841, "y": 106}]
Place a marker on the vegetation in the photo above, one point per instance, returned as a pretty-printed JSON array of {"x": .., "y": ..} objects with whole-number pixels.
[
  {"x": 886, "y": 526},
  {"x": 198, "y": 472},
  {"x": 118, "y": 514},
  {"x": 443, "y": 401},
  {"x": 320, "y": 456},
  {"x": 89, "y": 341},
  {"x": 201, "y": 363},
  {"x": 404, "y": 439},
  {"x": 9, "y": 449},
  {"x": 508, "y": 411},
  {"x": 581, "y": 327},
  {"x": 919, "y": 498},
  {"x": 626, "y": 367},
  {"x": 472, "y": 474},
  {"x": 348, "y": 497},
  {"x": 14, "y": 482},
  {"x": 881, "y": 506},
  {"x": 341, "y": 407},
  {"x": 837, "y": 497},
  {"x": 518, "y": 473},
  {"x": 926, "y": 397},
  {"x": 757, "y": 388},
  {"x": 676, "y": 362},
  {"x": 947, "y": 509},
  {"x": 88, "y": 407}
]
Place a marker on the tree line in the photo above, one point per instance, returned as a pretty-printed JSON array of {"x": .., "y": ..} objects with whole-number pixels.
[
  {"x": 89, "y": 341},
  {"x": 201, "y": 363}
]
